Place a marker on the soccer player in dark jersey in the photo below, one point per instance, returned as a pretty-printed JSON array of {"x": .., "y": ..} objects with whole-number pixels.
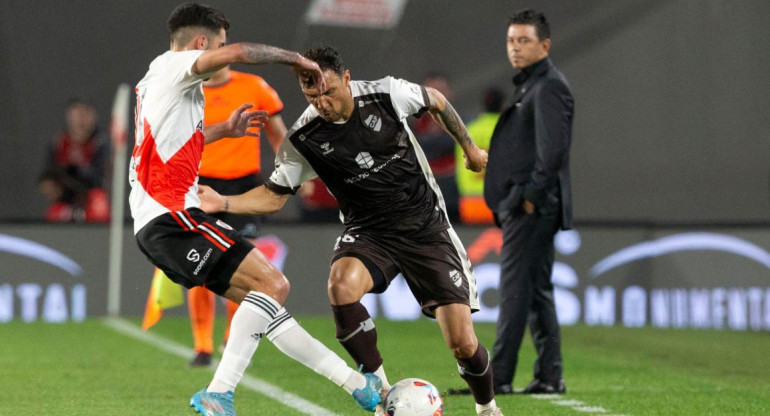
[{"x": 354, "y": 136}]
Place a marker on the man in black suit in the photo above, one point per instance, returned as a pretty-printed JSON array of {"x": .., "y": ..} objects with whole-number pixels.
[{"x": 527, "y": 186}]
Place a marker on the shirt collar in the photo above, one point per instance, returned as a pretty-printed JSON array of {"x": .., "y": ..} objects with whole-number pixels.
[{"x": 525, "y": 73}]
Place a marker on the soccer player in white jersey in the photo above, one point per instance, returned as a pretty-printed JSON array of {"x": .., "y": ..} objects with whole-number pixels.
[
  {"x": 194, "y": 249},
  {"x": 354, "y": 137}
]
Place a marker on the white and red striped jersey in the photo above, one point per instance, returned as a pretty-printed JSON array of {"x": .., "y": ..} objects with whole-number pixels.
[{"x": 169, "y": 138}]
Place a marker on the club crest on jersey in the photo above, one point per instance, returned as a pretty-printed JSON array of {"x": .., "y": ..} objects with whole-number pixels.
[
  {"x": 326, "y": 148},
  {"x": 456, "y": 277},
  {"x": 373, "y": 122},
  {"x": 224, "y": 225},
  {"x": 364, "y": 160}
]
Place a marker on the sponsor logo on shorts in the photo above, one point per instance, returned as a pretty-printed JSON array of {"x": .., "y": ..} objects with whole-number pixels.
[
  {"x": 224, "y": 225},
  {"x": 193, "y": 256},
  {"x": 205, "y": 258},
  {"x": 456, "y": 277}
]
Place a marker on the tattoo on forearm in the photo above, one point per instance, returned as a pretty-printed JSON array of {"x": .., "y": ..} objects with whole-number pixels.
[
  {"x": 266, "y": 54},
  {"x": 453, "y": 124}
]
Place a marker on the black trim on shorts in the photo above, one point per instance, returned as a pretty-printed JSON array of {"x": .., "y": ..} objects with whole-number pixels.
[
  {"x": 379, "y": 282},
  {"x": 219, "y": 279}
]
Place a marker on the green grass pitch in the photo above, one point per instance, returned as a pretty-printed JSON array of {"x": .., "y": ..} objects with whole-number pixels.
[{"x": 91, "y": 369}]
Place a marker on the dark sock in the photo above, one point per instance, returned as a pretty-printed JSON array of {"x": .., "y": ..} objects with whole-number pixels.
[
  {"x": 356, "y": 332},
  {"x": 478, "y": 374}
]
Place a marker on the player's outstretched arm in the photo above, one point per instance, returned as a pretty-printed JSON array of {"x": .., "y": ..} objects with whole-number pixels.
[
  {"x": 255, "y": 54},
  {"x": 258, "y": 201},
  {"x": 446, "y": 116},
  {"x": 237, "y": 125}
]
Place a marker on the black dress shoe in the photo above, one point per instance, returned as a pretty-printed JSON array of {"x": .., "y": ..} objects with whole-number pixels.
[
  {"x": 499, "y": 390},
  {"x": 540, "y": 387}
]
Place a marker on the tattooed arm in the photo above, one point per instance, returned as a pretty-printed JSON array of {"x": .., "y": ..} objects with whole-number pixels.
[
  {"x": 256, "y": 54},
  {"x": 446, "y": 116}
]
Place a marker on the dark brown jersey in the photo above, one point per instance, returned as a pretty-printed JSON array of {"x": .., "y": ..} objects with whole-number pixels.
[{"x": 371, "y": 163}]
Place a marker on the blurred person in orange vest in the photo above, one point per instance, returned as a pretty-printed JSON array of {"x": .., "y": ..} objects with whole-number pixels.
[
  {"x": 470, "y": 184},
  {"x": 231, "y": 166}
]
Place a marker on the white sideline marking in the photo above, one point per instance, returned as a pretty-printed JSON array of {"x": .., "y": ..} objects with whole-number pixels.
[
  {"x": 251, "y": 383},
  {"x": 576, "y": 405}
]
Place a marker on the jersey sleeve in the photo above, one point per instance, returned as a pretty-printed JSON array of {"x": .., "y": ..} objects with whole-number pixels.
[
  {"x": 267, "y": 98},
  {"x": 181, "y": 64},
  {"x": 408, "y": 98},
  {"x": 291, "y": 170}
]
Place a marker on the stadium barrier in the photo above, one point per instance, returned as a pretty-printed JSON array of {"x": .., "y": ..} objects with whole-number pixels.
[{"x": 630, "y": 276}]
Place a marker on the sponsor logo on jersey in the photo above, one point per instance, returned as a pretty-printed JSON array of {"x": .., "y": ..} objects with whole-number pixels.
[
  {"x": 327, "y": 148},
  {"x": 193, "y": 256},
  {"x": 456, "y": 277},
  {"x": 258, "y": 336},
  {"x": 373, "y": 122},
  {"x": 199, "y": 126},
  {"x": 365, "y": 160}
]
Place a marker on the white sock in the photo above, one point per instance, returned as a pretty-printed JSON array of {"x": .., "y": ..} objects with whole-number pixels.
[
  {"x": 482, "y": 407},
  {"x": 249, "y": 325},
  {"x": 380, "y": 372},
  {"x": 298, "y": 344}
]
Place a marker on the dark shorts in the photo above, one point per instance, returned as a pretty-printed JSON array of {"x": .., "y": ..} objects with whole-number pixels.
[
  {"x": 435, "y": 266},
  {"x": 194, "y": 249},
  {"x": 247, "y": 225}
]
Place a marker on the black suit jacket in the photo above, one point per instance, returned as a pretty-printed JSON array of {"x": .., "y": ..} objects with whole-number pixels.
[{"x": 529, "y": 149}]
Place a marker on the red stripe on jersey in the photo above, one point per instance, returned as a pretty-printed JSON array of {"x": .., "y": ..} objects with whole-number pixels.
[
  {"x": 219, "y": 233},
  {"x": 168, "y": 183}
]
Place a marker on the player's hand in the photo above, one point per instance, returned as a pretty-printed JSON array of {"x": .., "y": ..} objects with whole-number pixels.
[
  {"x": 241, "y": 122},
  {"x": 211, "y": 200},
  {"x": 476, "y": 159},
  {"x": 305, "y": 68}
]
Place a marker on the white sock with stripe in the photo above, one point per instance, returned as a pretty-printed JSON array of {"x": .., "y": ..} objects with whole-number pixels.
[
  {"x": 249, "y": 325},
  {"x": 294, "y": 341}
]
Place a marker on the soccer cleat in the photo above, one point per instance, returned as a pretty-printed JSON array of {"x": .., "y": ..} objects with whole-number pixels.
[
  {"x": 213, "y": 404},
  {"x": 369, "y": 397},
  {"x": 492, "y": 412}
]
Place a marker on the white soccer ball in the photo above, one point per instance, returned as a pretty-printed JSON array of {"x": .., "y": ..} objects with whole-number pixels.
[{"x": 413, "y": 397}]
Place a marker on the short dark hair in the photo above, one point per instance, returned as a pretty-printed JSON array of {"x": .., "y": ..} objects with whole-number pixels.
[
  {"x": 327, "y": 58},
  {"x": 531, "y": 17},
  {"x": 199, "y": 15}
]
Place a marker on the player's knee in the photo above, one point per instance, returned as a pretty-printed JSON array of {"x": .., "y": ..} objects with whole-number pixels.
[
  {"x": 343, "y": 287},
  {"x": 463, "y": 348},
  {"x": 273, "y": 283}
]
